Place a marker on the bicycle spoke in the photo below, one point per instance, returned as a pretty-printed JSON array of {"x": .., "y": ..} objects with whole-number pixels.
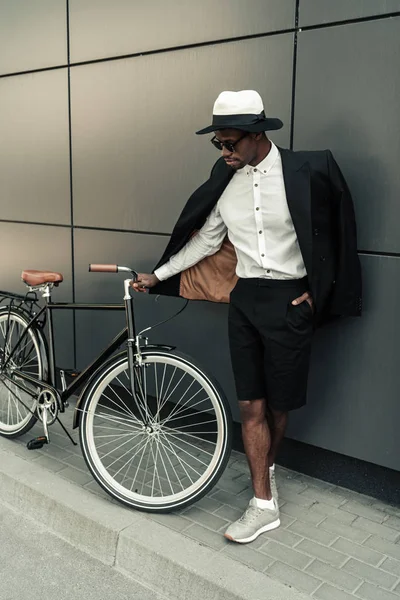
[
  {"x": 174, "y": 410},
  {"x": 189, "y": 408},
  {"x": 120, "y": 435},
  {"x": 181, "y": 461},
  {"x": 186, "y": 452}
]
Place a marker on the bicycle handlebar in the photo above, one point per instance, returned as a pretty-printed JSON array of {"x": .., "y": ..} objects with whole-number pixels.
[{"x": 98, "y": 268}]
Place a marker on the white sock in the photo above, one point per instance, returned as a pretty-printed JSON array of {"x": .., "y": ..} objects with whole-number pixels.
[
  {"x": 260, "y": 503},
  {"x": 272, "y": 467}
]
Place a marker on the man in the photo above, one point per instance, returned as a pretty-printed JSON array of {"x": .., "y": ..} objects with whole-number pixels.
[{"x": 273, "y": 232}]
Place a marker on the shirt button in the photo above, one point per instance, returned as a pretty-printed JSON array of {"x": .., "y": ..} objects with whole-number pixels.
[
  {"x": 262, "y": 255},
  {"x": 256, "y": 185},
  {"x": 257, "y": 208},
  {"x": 255, "y": 170},
  {"x": 268, "y": 270},
  {"x": 260, "y": 231},
  {"x": 265, "y": 171}
]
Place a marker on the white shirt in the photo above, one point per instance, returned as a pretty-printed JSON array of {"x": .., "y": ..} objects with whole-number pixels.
[{"x": 253, "y": 211}]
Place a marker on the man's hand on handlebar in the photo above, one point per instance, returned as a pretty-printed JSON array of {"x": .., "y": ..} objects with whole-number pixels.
[{"x": 144, "y": 281}]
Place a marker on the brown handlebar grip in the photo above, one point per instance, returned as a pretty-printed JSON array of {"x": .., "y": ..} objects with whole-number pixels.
[{"x": 94, "y": 268}]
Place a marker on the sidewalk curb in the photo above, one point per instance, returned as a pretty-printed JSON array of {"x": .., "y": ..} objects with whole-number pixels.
[{"x": 164, "y": 560}]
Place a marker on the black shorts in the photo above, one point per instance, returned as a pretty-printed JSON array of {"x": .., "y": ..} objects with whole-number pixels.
[{"x": 270, "y": 341}]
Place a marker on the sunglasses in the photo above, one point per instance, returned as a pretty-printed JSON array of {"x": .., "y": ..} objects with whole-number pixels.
[{"x": 228, "y": 145}]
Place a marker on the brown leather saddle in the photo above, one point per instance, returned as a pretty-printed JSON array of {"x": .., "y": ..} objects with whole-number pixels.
[{"x": 33, "y": 278}]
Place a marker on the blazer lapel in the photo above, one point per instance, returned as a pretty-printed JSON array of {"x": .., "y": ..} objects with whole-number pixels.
[{"x": 296, "y": 175}]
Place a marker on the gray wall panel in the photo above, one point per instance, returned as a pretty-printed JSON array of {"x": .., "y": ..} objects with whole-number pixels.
[
  {"x": 136, "y": 159},
  {"x": 101, "y": 28},
  {"x": 34, "y": 149},
  {"x": 33, "y": 35},
  {"x": 43, "y": 248},
  {"x": 201, "y": 330},
  {"x": 347, "y": 99},
  {"x": 314, "y": 12},
  {"x": 353, "y": 405}
]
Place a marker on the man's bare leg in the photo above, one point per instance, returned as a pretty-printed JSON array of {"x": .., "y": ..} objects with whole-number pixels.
[
  {"x": 257, "y": 444},
  {"x": 277, "y": 421}
]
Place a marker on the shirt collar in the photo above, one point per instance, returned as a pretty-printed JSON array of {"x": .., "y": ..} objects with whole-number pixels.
[{"x": 265, "y": 165}]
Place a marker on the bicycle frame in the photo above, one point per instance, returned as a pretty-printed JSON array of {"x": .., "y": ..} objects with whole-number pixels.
[{"x": 127, "y": 334}]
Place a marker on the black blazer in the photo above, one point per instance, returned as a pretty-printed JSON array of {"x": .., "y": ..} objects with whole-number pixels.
[{"x": 322, "y": 211}]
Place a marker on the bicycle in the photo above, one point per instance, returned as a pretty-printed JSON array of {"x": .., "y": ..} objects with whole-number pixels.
[{"x": 155, "y": 430}]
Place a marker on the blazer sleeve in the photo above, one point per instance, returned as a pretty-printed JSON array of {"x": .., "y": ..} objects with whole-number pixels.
[{"x": 346, "y": 296}]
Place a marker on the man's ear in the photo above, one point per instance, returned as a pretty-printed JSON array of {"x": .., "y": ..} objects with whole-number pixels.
[{"x": 258, "y": 136}]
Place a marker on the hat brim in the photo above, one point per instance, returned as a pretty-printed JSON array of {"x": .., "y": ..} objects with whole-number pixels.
[{"x": 262, "y": 125}]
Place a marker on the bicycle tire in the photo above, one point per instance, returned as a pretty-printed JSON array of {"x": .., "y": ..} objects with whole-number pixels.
[
  {"x": 167, "y": 443},
  {"x": 31, "y": 357}
]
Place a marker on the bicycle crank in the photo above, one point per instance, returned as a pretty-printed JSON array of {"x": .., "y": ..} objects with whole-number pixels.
[{"x": 47, "y": 407}]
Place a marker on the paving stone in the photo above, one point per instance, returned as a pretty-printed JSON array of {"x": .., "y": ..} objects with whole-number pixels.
[
  {"x": 313, "y": 533},
  {"x": 61, "y": 440},
  {"x": 76, "y": 476},
  {"x": 240, "y": 466},
  {"x": 293, "y": 577},
  {"x": 334, "y": 576},
  {"x": 286, "y": 555},
  {"x": 228, "y": 513},
  {"x": 206, "y": 536},
  {"x": 94, "y": 488},
  {"x": 328, "y": 592},
  {"x": 337, "y": 513},
  {"x": 328, "y": 555},
  {"x": 223, "y": 497},
  {"x": 326, "y": 497},
  {"x": 303, "y": 514},
  {"x": 391, "y": 565},
  {"x": 286, "y": 520},
  {"x": 353, "y": 496},
  {"x": 393, "y": 522},
  {"x": 284, "y": 536},
  {"x": 291, "y": 487},
  {"x": 20, "y": 450},
  {"x": 383, "y": 546},
  {"x": 233, "y": 486},
  {"x": 367, "y": 591},
  {"x": 51, "y": 464},
  {"x": 209, "y": 504},
  {"x": 318, "y": 483},
  {"x": 348, "y": 532},
  {"x": 288, "y": 495},
  {"x": 204, "y": 518},
  {"x": 371, "y": 574},
  {"x": 375, "y": 528},
  {"x": 364, "y": 511},
  {"x": 76, "y": 461},
  {"x": 173, "y": 521},
  {"x": 248, "y": 556},
  {"x": 387, "y": 509},
  {"x": 356, "y": 551},
  {"x": 54, "y": 451}
]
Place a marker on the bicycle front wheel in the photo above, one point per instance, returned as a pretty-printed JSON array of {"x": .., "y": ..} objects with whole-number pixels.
[
  {"x": 17, "y": 407},
  {"x": 163, "y": 446}
]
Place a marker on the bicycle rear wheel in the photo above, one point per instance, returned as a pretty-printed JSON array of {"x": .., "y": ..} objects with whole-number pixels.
[
  {"x": 164, "y": 447},
  {"x": 17, "y": 407}
]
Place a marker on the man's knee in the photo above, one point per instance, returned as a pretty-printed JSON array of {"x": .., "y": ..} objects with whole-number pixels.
[{"x": 252, "y": 411}]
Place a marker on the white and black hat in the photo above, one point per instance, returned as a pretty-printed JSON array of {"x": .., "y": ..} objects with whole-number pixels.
[{"x": 240, "y": 110}]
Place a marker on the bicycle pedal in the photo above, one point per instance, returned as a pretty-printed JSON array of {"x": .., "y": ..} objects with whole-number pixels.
[{"x": 37, "y": 443}]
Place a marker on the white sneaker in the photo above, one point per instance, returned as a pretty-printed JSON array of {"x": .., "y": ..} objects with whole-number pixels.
[{"x": 252, "y": 523}]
